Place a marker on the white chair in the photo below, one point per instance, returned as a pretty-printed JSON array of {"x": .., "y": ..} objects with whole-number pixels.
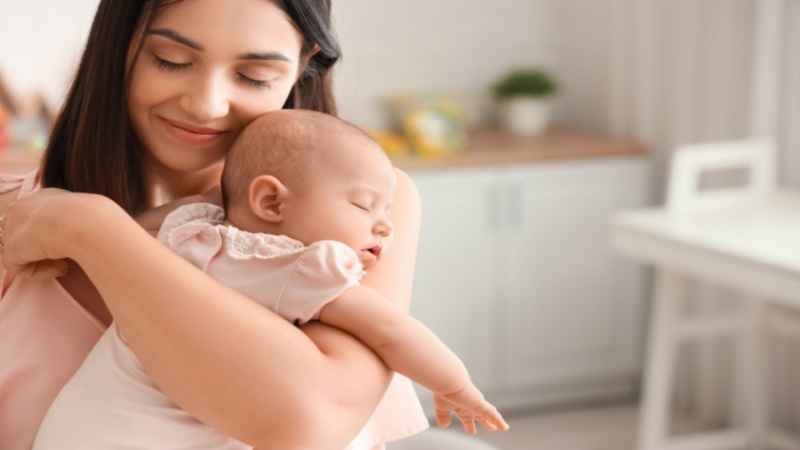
[{"x": 669, "y": 328}]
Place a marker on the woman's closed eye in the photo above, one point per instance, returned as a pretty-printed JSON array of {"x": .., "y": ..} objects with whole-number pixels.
[
  {"x": 171, "y": 66},
  {"x": 253, "y": 82}
]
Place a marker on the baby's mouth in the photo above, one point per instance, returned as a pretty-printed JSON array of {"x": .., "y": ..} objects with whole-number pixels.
[{"x": 376, "y": 251}]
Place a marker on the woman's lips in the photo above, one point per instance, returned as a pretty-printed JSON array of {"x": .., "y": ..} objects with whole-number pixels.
[{"x": 190, "y": 134}]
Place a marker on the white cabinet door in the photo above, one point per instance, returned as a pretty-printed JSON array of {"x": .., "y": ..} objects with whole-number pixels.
[
  {"x": 455, "y": 266},
  {"x": 572, "y": 311}
]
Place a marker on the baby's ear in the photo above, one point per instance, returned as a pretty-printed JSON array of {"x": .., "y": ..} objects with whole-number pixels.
[{"x": 267, "y": 196}]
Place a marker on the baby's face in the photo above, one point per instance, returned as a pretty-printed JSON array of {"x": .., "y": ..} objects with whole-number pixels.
[{"x": 350, "y": 202}]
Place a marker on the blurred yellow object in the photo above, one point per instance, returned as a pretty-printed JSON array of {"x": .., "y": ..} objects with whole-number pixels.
[
  {"x": 435, "y": 130},
  {"x": 393, "y": 144}
]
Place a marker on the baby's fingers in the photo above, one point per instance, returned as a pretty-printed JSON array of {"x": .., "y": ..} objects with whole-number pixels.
[
  {"x": 494, "y": 416},
  {"x": 443, "y": 418},
  {"x": 487, "y": 423},
  {"x": 469, "y": 423}
]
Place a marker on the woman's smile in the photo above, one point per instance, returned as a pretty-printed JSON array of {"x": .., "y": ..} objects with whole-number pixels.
[{"x": 191, "y": 134}]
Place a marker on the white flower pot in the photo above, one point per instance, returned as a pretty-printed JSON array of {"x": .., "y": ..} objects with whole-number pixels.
[{"x": 526, "y": 116}]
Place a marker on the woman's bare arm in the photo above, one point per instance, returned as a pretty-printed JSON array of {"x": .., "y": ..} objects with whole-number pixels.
[
  {"x": 245, "y": 370},
  {"x": 5, "y": 200}
]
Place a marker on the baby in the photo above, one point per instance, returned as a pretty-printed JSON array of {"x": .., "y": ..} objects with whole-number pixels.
[{"x": 307, "y": 202}]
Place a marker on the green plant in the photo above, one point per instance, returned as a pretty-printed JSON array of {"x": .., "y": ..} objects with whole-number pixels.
[{"x": 524, "y": 83}]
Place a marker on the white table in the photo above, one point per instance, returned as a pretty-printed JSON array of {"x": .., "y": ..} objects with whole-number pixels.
[{"x": 752, "y": 246}]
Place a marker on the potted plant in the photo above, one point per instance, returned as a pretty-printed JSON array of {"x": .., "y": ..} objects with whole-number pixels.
[{"x": 524, "y": 100}]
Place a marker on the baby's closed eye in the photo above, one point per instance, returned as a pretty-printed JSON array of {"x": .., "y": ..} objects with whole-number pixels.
[{"x": 360, "y": 206}]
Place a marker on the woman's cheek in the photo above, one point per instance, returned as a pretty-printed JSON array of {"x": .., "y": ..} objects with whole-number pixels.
[{"x": 254, "y": 105}]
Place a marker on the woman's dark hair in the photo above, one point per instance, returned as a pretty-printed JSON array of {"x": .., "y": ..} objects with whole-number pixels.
[{"x": 93, "y": 147}]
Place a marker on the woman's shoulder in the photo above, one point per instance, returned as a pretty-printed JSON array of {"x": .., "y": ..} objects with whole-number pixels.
[{"x": 407, "y": 191}]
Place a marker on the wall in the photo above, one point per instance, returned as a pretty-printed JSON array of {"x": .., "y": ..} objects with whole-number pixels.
[
  {"x": 446, "y": 46},
  {"x": 442, "y": 46},
  {"x": 791, "y": 96},
  {"x": 665, "y": 73},
  {"x": 41, "y": 42}
]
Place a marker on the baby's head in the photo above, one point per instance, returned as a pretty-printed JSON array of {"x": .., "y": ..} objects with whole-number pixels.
[{"x": 311, "y": 177}]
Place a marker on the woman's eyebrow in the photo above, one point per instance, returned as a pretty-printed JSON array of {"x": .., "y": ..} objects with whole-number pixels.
[
  {"x": 175, "y": 36},
  {"x": 181, "y": 39},
  {"x": 265, "y": 56}
]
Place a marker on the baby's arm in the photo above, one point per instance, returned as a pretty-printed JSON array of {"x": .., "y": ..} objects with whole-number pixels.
[{"x": 409, "y": 347}]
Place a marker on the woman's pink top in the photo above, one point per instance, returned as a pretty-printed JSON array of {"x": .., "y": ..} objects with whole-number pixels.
[
  {"x": 112, "y": 403},
  {"x": 44, "y": 337}
]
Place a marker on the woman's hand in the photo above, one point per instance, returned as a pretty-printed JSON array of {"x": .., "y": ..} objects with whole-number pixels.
[{"x": 36, "y": 233}]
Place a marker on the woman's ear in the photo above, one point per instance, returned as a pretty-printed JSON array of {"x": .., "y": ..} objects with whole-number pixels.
[
  {"x": 305, "y": 59},
  {"x": 267, "y": 198}
]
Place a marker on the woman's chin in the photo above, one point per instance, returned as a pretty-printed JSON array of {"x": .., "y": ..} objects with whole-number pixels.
[{"x": 188, "y": 163}]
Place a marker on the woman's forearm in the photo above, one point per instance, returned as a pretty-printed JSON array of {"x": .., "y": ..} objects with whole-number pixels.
[{"x": 222, "y": 357}]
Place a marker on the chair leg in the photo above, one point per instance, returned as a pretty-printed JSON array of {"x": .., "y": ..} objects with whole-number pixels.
[
  {"x": 708, "y": 395},
  {"x": 661, "y": 359},
  {"x": 752, "y": 367}
]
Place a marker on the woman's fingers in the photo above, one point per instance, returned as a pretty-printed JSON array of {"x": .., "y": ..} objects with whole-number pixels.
[
  {"x": 34, "y": 231},
  {"x": 45, "y": 269}
]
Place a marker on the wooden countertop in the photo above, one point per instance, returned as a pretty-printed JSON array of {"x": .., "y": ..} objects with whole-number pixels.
[
  {"x": 497, "y": 148},
  {"x": 484, "y": 148}
]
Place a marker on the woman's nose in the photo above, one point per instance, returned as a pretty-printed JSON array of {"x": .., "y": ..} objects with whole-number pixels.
[{"x": 207, "y": 100}]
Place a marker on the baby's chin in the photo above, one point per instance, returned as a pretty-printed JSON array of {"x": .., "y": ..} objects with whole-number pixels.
[{"x": 368, "y": 260}]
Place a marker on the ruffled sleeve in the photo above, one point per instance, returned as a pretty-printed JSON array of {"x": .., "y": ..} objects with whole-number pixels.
[
  {"x": 192, "y": 231},
  {"x": 26, "y": 182},
  {"x": 321, "y": 274}
]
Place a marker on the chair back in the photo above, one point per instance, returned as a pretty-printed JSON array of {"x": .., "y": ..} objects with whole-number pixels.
[{"x": 690, "y": 162}]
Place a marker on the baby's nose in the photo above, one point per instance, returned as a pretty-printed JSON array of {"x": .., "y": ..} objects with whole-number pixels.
[{"x": 383, "y": 228}]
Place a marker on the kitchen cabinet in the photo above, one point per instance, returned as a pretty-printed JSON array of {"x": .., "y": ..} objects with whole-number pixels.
[{"x": 516, "y": 275}]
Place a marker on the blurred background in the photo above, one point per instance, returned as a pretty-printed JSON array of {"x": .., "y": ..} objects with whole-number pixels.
[{"x": 529, "y": 126}]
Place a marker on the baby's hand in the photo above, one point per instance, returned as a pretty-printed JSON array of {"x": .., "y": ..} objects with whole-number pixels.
[{"x": 469, "y": 405}]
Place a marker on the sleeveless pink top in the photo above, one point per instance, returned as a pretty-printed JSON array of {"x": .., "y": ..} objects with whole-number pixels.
[{"x": 45, "y": 336}]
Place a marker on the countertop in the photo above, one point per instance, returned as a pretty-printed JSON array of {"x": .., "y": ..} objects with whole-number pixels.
[
  {"x": 497, "y": 148},
  {"x": 484, "y": 148}
]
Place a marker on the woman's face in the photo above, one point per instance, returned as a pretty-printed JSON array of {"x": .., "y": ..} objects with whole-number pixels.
[{"x": 207, "y": 68}]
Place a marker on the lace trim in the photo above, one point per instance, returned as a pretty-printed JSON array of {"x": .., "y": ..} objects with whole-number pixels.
[{"x": 240, "y": 244}]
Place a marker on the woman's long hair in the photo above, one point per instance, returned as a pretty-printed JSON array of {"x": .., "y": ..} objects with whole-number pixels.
[{"x": 93, "y": 147}]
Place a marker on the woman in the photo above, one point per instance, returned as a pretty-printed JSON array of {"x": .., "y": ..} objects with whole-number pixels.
[{"x": 162, "y": 90}]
